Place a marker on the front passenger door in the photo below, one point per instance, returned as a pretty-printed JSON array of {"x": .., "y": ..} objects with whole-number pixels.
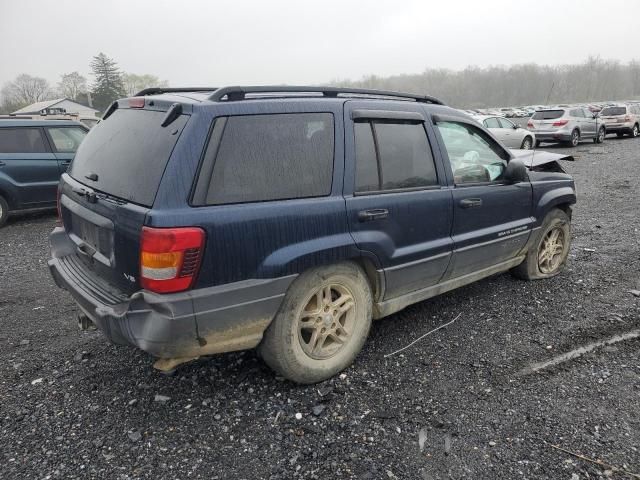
[{"x": 491, "y": 218}]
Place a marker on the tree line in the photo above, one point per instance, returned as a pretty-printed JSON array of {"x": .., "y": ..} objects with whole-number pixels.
[
  {"x": 594, "y": 80},
  {"x": 109, "y": 84}
]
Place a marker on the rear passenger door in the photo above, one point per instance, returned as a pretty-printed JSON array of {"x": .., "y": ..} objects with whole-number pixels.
[
  {"x": 397, "y": 208},
  {"x": 65, "y": 140},
  {"x": 28, "y": 166},
  {"x": 492, "y": 218}
]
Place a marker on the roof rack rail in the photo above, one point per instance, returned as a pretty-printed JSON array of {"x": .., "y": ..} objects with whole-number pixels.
[
  {"x": 239, "y": 93},
  {"x": 158, "y": 90}
]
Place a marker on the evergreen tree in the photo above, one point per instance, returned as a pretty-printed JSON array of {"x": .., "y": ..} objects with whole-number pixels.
[{"x": 108, "y": 85}]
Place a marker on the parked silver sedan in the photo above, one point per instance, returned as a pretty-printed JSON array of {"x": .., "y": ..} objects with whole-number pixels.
[{"x": 509, "y": 133}]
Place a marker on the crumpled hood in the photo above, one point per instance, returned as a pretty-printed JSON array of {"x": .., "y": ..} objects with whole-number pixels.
[{"x": 536, "y": 158}]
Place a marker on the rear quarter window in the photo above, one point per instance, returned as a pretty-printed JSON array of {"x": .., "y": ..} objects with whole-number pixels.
[{"x": 271, "y": 157}]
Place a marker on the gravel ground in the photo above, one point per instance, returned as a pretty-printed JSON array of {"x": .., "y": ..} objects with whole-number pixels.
[{"x": 73, "y": 406}]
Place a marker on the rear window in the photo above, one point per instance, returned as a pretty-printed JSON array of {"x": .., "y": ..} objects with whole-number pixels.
[
  {"x": 272, "y": 157},
  {"x": 611, "y": 111},
  {"x": 128, "y": 152},
  {"x": 21, "y": 140},
  {"x": 547, "y": 114}
]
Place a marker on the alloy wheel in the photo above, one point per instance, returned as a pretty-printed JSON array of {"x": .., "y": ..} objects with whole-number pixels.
[
  {"x": 526, "y": 144},
  {"x": 636, "y": 132},
  {"x": 326, "y": 323},
  {"x": 575, "y": 138},
  {"x": 550, "y": 253}
]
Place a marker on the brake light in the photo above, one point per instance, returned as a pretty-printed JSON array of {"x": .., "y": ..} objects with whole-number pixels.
[
  {"x": 170, "y": 258},
  {"x": 560, "y": 123},
  {"x": 529, "y": 124},
  {"x": 136, "y": 102},
  {"x": 627, "y": 118}
]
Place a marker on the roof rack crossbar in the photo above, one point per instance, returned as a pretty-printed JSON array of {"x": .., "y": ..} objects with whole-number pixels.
[
  {"x": 158, "y": 90},
  {"x": 239, "y": 93}
]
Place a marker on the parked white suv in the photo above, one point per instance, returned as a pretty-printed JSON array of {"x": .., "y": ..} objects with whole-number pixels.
[
  {"x": 567, "y": 125},
  {"x": 622, "y": 119}
]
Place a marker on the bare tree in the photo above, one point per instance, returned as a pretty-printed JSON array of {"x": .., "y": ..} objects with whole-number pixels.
[
  {"x": 134, "y": 83},
  {"x": 72, "y": 84},
  {"x": 25, "y": 90}
]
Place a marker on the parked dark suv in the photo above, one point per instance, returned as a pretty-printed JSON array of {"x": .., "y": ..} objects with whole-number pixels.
[
  {"x": 286, "y": 218},
  {"x": 33, "y": 155}
]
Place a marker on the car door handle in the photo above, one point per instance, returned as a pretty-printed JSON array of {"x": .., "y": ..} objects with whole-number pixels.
[
  {"x": 374, "y": 214},
  {"x": 471, "y": 202}
]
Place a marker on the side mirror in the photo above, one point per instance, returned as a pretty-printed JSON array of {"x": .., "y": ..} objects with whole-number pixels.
[{"x": 516, "y": 172}]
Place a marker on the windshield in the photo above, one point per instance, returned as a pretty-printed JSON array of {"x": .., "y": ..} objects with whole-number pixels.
[
  {"x": 127, "y": 153},
  {"x": 547, "y": 114}
]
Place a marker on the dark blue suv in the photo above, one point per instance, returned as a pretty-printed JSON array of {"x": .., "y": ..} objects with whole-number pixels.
[
  {"x": 200, "y": 221},
  {"x": 33, "y": 155}
]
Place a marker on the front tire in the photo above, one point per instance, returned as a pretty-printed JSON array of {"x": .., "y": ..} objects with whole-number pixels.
[
  {"x": 548, "y": 255},
  {"x": 527, "y": 143},
  {"x": 4, "y": 211},
  {"x": 601, "y": 135},
  {"x": 321, "y": 326}
]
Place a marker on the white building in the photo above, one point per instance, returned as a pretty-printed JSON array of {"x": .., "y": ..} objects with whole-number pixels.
[{"x": 69, "y": 106}]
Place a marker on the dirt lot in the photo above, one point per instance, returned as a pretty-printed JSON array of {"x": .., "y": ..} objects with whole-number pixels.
[{"x": 73, "y": 406}]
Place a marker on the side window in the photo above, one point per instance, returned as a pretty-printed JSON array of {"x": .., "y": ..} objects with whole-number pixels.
[
  {"x": 474, "y": 156},
  {"x": 577, "y": 113},
  {"x": 21, "y": 140},
  {"x": 393, "y": 155},
  {"x": 504, "y": 123},
  {"x": 66, "y": 139},
  {"x": 273, "y": 157},
  {"x": 491, "y": 123}
]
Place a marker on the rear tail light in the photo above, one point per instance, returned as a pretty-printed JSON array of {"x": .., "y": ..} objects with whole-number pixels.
[
  {"x": 529, "y": 124},
  {"x": 170, "y": 258},
  {"x": 627, "y": 118},
  {"x": 560, "y": 123},
  {"x": 136, "y": 102}
]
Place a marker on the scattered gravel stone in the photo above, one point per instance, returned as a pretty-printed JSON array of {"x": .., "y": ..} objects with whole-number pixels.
[
  {"x": 161, "y": 398},
  {"x": 135, "y": 436},
  {"x": 318, "y": 409}
]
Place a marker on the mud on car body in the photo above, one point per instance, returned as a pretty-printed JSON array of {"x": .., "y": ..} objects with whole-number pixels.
[{"x": 201, "y": 221}]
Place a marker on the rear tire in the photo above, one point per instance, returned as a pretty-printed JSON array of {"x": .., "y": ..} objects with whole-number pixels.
[
  {"x": 636, "y": 131},
  {"x": 4, "y": 211},
  {"x": 548, "y": 254},
  {"x": 602, "y": 133},
  {"x": 321, "y": 326},
  {"x": 575, "y": 139}
]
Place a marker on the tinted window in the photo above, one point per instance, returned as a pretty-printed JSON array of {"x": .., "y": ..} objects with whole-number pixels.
[
  {"x": 271, "y": 157},
  {"x": 547, "y": 114},
  {"x": 128, "y": 152},
  {"x": 66, "y": 139},
  {"x": 611, "y": 111},
  {"x": 405, "y": 156},
  {"x": 366, "y": 162},
  {"x": 491, "y": 123},
  {"x": 504, "y": 123},
  {"x": 474, "y": 156},
  {"x": 21, "y": 140}
]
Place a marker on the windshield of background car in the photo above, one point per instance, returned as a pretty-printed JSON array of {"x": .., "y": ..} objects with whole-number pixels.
[
  {"x": 547, "y": 114},
  {"x": 611, "y": 111}
]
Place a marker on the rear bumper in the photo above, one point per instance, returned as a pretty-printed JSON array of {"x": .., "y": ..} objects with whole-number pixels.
[
  {"x": 181, "y": 325},
  {"x": 559, "y": 136},
  {"x": 619, "y": 128}
]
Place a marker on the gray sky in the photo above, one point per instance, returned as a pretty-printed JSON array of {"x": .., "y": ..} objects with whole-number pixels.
[{"x": 192, "y": 42}]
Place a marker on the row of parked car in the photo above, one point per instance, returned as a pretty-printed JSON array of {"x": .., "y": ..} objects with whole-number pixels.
[{"x": 565, "y": 124}]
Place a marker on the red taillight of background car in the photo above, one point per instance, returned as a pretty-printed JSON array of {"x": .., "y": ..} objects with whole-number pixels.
[
  {"x": 560, "y": 123},
  {"x": 170, "y": 258},
  {"x": 627, "y": 118},
  {"x": 530, "y": 124}
]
